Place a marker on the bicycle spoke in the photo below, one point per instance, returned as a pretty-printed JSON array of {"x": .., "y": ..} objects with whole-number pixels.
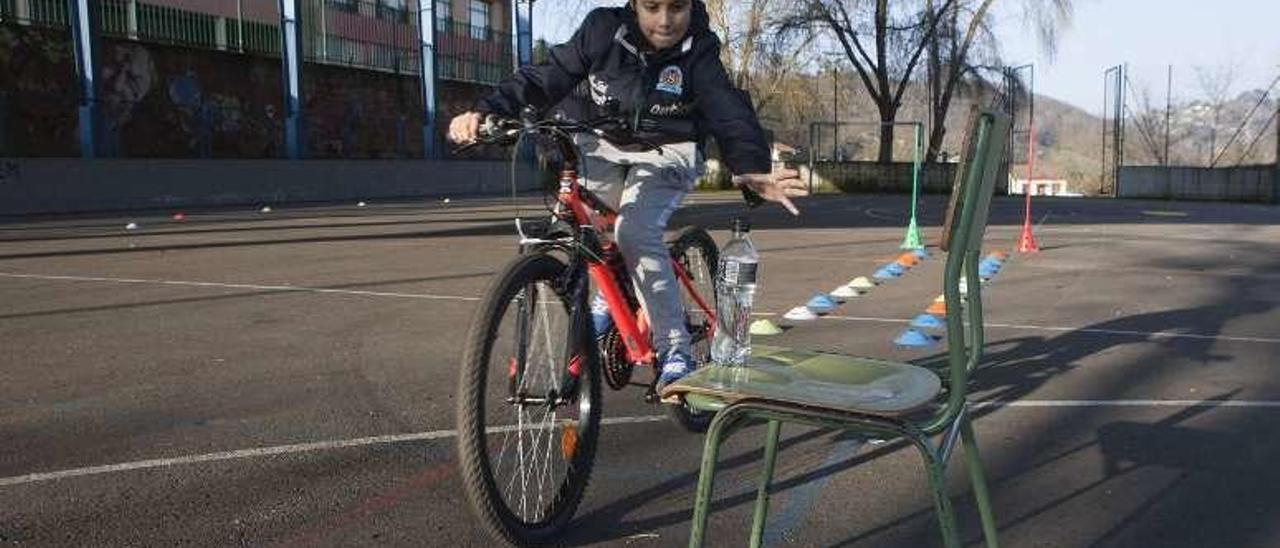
[{"x": 537, "y": 328}]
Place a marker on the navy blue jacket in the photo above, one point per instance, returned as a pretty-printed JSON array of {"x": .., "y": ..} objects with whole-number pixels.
[{"x": 674, "y": 95}]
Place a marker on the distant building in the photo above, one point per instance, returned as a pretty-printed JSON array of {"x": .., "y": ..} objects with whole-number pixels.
[
  {"x": 473, "y": 38},
  {"x": 1041, "y": 187},
  {"x": 204, "y": 74}
]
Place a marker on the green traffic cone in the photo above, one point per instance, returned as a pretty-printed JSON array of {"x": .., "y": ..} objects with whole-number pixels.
[{"x": 912, "y": 239}]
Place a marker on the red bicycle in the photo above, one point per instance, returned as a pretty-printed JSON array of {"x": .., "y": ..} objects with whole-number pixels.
[{"x": 529, "y": 406}]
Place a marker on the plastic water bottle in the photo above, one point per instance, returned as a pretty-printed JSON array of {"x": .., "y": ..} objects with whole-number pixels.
[{"x": 735, "y": 292}]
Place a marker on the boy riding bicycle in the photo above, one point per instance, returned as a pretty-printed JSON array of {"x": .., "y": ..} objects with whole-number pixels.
[{"x": 657, "y": 63}]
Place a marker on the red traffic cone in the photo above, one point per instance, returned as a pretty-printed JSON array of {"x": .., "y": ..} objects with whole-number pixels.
[{"x": 1027, "y": 240}]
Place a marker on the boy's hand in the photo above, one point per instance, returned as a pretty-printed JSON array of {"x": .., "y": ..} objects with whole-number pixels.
[
  {"x": 465, "y": 128},
  {"x": 779, "y": 186}
]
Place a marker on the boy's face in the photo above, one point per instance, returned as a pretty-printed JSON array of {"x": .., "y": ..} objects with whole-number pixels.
[{"x": 663, "y": 22}]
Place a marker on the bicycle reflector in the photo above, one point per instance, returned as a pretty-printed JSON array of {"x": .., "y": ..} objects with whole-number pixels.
[{"x": 569, "y": 439}]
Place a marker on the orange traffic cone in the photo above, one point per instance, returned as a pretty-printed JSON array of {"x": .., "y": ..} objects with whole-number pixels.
[
  {"x": 908, "y": 260},
  {"x": 938, "y": 308},
  {"x": 1027, "y": 240}
]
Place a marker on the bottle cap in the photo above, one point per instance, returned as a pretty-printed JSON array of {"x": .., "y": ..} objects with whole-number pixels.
[{"x": 741, "y": 225}]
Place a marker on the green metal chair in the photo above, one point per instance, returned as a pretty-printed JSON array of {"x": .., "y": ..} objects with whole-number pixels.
[{"x": 869, "y": 396}]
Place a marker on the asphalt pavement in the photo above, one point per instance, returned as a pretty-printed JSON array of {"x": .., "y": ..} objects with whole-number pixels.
[{"x": 287, "y": 378}]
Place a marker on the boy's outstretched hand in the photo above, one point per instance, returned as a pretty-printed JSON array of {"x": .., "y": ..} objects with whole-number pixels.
[
  {"x": 465, "y": 127},
  {"x": 779, "y": 186}
]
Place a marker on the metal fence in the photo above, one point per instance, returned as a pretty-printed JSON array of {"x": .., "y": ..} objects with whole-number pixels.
[
  {"x": 52, "y": 13},
  {"x": 358, "y": 33}
]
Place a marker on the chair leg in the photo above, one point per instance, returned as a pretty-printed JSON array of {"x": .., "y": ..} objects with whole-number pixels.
[
  {"x": 979, "y": 480},
  {"x": 937, "y": 471},
  {"x": 721, "y": 425},
  {"x": 762, "y": 497}
]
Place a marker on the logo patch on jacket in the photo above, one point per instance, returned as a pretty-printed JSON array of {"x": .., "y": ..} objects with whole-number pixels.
[
  {"x": 671, "y": 80},
  {"x": 678, "y": 109},
  {"x": 599, "y": 89}
]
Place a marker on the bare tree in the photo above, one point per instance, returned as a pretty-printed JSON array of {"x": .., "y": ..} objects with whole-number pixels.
[
  {"x": 1149, "y": 119},
  {"x": 963, "y": 29},
  {"x": 1215, "y": 85},
  {"x": 759, "y": 59},
  {"x": 884, "y": 44}
]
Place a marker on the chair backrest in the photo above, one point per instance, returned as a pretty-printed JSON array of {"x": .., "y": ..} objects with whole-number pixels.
[
  {"x": 970, "y": 205},
  {"x": 957, "y": 184}
]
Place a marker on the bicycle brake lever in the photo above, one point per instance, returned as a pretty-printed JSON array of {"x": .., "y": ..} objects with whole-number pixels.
[
  {"x": 753, "y": 199},
  {"x": 466, "y": 148}
]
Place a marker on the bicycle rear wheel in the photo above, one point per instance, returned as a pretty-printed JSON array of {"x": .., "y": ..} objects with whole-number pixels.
[
  {"x": 529, "y": 403},
  {"x": 696, "y": 251}
]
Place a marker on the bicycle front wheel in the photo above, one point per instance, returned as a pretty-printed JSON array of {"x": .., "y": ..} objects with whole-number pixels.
[{"x": 529, "y": 403}]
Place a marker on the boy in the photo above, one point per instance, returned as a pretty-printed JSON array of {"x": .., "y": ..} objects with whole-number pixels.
[{"x": 658, "y": 64}]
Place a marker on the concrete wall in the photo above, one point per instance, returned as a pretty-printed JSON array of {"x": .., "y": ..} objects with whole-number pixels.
[
  {"x": 53, "y": 185},
  {"x": 1237, "y": 184}
]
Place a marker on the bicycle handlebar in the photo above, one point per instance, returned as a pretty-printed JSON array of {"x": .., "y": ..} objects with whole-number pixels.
[{"x": 496, "y": 130}]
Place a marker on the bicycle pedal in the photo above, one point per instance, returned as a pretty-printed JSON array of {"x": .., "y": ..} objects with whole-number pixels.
[{"x": 651, "y": 395}]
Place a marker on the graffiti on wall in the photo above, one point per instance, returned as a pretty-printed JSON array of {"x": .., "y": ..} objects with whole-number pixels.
[
  {"x": 9, "y": 172},
  {"x": 162, "y": 101}
]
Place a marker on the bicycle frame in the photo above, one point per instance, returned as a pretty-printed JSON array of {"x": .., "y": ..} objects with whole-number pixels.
[{"x": 593, "y": 216}]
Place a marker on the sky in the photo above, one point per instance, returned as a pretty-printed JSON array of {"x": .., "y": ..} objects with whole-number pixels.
[{"x": 1149, "y": 35}]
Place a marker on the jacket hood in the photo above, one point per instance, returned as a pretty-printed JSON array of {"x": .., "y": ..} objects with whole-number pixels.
[{"x": 699, "y": 22}]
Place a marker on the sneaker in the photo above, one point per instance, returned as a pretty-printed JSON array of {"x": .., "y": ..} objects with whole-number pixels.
[{"x": 677, "y": 367}]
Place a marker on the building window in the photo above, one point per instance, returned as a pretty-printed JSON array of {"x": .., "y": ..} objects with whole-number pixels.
[
  {"x": 345, "y": 5},
  {"x": 479, "y": 19},
  {"x": 444, "y": 14},
  {"x": 393, "y": 10}
]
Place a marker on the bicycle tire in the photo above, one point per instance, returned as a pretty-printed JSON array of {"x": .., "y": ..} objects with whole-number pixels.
[
  {"x": 689, "y": 239},
  {"x": 478, "y": 470}
]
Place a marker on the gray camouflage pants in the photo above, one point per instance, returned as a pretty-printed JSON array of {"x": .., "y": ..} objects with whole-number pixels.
[{"x": 646, "y": 188}]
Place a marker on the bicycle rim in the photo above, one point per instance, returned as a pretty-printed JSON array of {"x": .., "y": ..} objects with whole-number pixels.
[
  {"x": 526, "y": 446},
  {"x": 697, "y": 254}
]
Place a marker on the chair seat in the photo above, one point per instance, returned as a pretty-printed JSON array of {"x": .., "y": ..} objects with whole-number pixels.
[{"x": 813, "y": 379}]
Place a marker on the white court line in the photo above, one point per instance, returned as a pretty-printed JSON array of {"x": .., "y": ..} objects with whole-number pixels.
[
  {"x": 240, "y": 286},
  {"x": 276, "y": 450},
  {"x": 1128, "y": 403},
  {"x": 444, "y": 434},
  {"x": 1156, "y": 334}
]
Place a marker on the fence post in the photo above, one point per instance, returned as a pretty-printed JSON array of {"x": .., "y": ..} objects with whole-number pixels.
[
  {"x": 1275, "y": 174},
  {"x": 324, "y": 30},
  {"x": 427, "y": 75},
  {"x": 523, "y": 31},
  {"x": 22, "y": 12},
  {"x": 240, "y": 25},
  {"x": 131, "y": 19},
  {"x": 85, "y": 31},
  {"x": 291, "y": 72},
  {"x": 220, "y": 34}
]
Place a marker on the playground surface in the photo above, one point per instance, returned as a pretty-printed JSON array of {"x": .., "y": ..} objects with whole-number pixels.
[{"x": 241, "y": 377}]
